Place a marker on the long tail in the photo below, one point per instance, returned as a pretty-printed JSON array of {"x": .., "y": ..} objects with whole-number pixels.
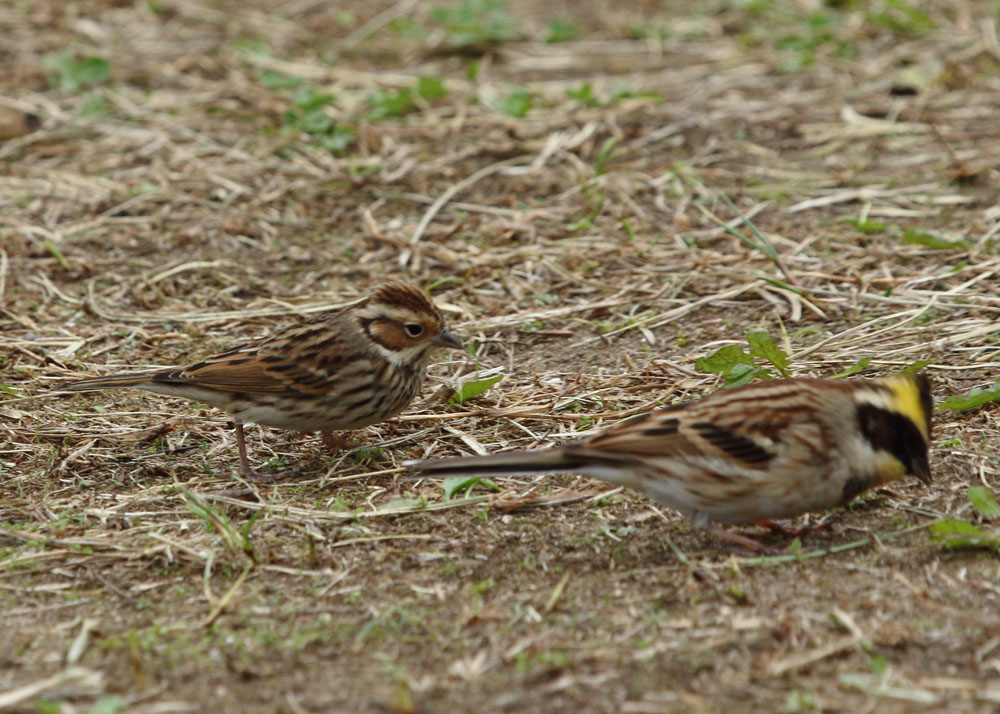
[
  {"x": 564, "y": 459},
  {"x": 513, "y": 464},
  {"x": 113, "y": 381}
]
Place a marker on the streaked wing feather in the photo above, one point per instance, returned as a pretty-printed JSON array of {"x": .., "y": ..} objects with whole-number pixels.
[
  {"x": 229, "y": 375},
  {"x": 734, "y": 444},
  {"x": 301, "y": 359},
  {"x": 656, "y": 433},
  {"x": 681, "y": 431}
]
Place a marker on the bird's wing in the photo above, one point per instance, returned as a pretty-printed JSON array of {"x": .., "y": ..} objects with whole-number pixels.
[
  {"x": 299, "y": 360},
  {"x": 683, "y": 431},
  {"x": 228, "y": 373}
]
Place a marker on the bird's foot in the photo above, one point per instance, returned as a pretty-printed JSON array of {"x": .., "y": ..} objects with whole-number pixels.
[
  {"x": 790, "y": 531},
  {"x": 751, "y": 544},
  {"x": 335, "y": 441},
  {"x": 264, "y": 476}
]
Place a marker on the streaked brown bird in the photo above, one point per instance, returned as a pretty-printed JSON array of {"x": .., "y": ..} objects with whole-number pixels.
[
  {"x": 763, "y": 451},
  {"x": 344, "y": 369}
]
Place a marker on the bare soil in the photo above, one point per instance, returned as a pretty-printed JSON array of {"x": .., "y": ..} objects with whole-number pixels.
[{"x": 566, "y": 201}]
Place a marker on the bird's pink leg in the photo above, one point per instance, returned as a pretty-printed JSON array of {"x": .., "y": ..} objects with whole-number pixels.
[
  {"x": 245, "y": 470},
  {"x": 744, "y": 541},
  {"x": 241, "y": 445}
]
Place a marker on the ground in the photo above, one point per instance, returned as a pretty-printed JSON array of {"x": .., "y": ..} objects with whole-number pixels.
[{"x": 599, "y": 196}]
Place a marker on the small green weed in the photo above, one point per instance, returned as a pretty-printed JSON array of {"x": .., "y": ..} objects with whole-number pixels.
[
  {"x": 737, "y": 366},
  {"x": 926, "y": 239},
  {"x": 309, "y": 116},
  {"x": 458, "y": 486},
  {"x": 866, "y": 226},
  {"x": 561, "y": 30},
  {"x": 475, "y": 22},
  {"x": 901, "y": 17},
  {"x": 975, "y": 398},
  {"x": 955, "y": 533},
  {"x": 518, "y": 103},
  {"x": 854, "y": 368},
  {"x": 402, "y": 101},
  {"x": 71, "y": 72},
  {"x": 367, "y": 455},
  {"x": 236, "y": 540},
  {"x": 471, "y": 390}
]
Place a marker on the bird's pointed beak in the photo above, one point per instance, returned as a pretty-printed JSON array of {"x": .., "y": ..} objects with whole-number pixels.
[
  {"x": 922, "y": 470},
  {"x": 446, "y": 339}
]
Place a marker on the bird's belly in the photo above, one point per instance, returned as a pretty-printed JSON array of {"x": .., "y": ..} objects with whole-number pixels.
[
  {"x": 739, "y": 496},
  {"x": 320, "y": 414}
]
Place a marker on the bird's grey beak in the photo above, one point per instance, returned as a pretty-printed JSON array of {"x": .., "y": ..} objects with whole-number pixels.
[{"x": 446, "y": 339}]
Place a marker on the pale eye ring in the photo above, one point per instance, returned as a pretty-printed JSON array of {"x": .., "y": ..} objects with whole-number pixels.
[{"x": 413, "y": 329}]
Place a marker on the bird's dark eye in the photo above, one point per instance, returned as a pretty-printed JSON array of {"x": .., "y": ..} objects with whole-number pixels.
[{"x": 413, "y": 329}]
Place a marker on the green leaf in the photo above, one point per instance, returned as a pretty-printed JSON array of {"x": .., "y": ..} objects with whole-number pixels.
[
  {"x": 854, "y": 368},
  {"x": 761, "y": 345},
  {"x": 470, "y": 390},
  {"x": 625, "y": 92},
  {"x": 56, "y": 253},
  {"x": 43, "y": 706},
  {"x": 914, "y": 236},
  {"x": 391, "y": 104},
  {"x": 953, "y": 533},
  {"x": 561, "y": 31},
  {"x": 277, "y": 80},
  {"x": 444, "y": 281},
  {"x": 758, "y": 242},
  {"x": 604, "y": 154},
  {"x": 67, "y": 71},
  {"x": 310, "y": 117},
  {"x": 976, "y": 398},
  {"x": 867, "y": 226},
  {"x": 315, "y": 121},
  {"x": 982, "y": 498},
  {"x": 93, "y": 105},
  {"x": 915, "y": 367},
  {"x": 245, "y": 529},
  {"x": 431, "y": 88},
  {"x": 310, "y": 100},
  {"x": 735, "y": 366},
  {"x": 217, "y": 522},
  {"x": 458, "y": 485},
  {"x": 93, "y": 70},
  {"x": 475, "y": 22},
  {"x": 108, "y": 705},
  {"x": 723, "y": 360},
  {"x": 781, "y": 285},
  {"x": 953, "y": 526},
  {"x": 517, "y": 104},
  {"x": 901, "y": 18},
  {"x": 336, "y": 141},
  {"x": 584, "y": 95},
  {"x": 744, "y": 373}
]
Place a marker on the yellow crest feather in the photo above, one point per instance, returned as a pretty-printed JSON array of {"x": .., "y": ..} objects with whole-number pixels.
[{"x": 911, "y": 398}]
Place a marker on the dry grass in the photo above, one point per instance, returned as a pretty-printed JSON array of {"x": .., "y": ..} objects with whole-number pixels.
[{"x": 581, "y": 250}]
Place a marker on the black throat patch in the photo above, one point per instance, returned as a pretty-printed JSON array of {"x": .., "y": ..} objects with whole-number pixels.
[{"x": 894, "y": 433}]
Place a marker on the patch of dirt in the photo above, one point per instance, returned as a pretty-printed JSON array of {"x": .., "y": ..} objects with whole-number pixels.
[{"x": 562, "y": 175}]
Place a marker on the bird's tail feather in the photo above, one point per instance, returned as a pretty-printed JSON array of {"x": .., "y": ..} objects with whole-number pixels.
[
  {"x": 113, "y": 381},
  {"x": 513, "y": 464}
]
